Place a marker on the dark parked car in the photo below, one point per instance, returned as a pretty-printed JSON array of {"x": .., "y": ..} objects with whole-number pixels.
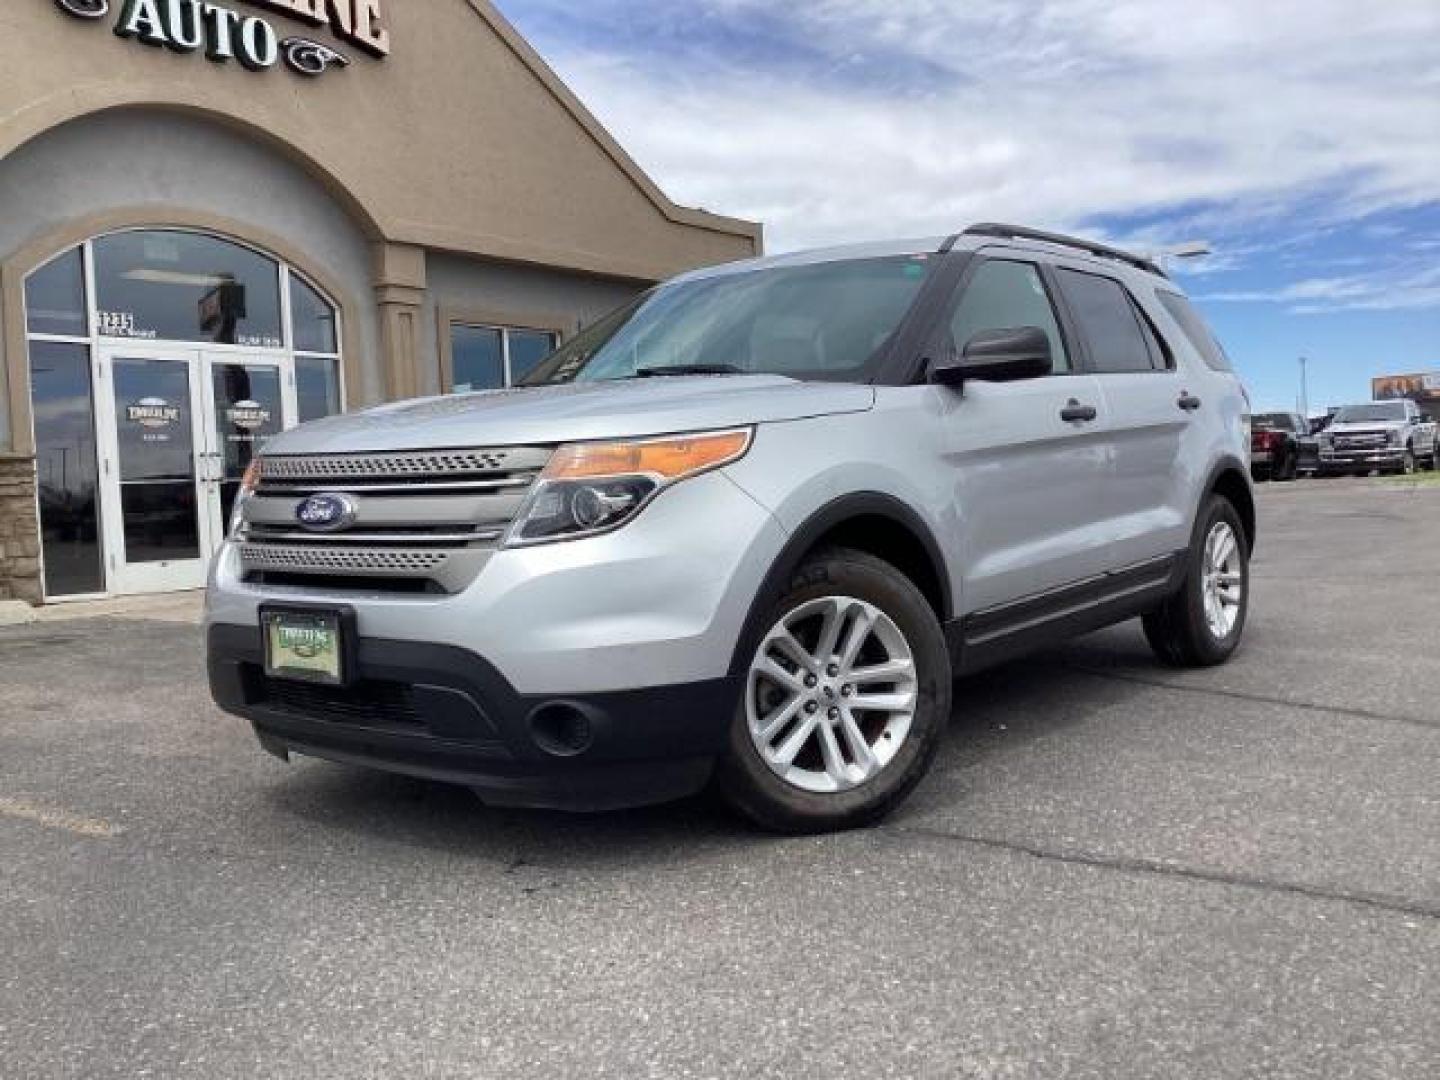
[{"x": 1275, "y": 445}]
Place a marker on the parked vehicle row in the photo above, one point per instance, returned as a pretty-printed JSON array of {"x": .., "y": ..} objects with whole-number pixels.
[
  {"x": 1391, "y": 436},
  {"x": 1385, "y": 436}
]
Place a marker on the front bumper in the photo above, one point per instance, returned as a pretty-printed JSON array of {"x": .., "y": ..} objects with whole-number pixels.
[
  {"x": 630, "y": 633},
  {"x": 443, "y": 713},
  {"x": 1379, "y": 458}
]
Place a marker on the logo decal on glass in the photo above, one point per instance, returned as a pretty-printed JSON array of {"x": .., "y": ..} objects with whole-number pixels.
[
  {"x": 248, "y": 415},
  {"x": 153, "y": 413},
  {"x": 326, "y": 513}
]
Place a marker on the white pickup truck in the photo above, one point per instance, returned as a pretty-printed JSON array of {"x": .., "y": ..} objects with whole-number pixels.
[{"x": 1384, "y": 435}]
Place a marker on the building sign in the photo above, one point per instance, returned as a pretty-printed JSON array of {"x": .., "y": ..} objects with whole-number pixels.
[
  {"x": 1423, "y": 387},
  {"x": 252, "y": 41}
]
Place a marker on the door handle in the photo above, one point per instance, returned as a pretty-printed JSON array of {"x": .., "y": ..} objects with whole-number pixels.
[
  {"x": 1188, "y": 401},
  {"x": 1074, "y": 412}
]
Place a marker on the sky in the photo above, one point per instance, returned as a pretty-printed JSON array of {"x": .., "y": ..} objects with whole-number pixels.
[{"x": 1300, "y": 139}]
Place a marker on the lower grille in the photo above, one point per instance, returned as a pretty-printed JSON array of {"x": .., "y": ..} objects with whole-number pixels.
[{"x": 371, "y": 704}]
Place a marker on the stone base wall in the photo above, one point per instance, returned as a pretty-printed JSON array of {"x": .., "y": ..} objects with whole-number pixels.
[{"x": 19, "y": 531}]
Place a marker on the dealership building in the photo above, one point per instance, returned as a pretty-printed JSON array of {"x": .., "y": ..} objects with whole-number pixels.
[{"x": 221, "y": 219}]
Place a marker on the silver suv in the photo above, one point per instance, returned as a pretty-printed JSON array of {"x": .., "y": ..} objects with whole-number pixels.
[{"x": 746, "y": 530}]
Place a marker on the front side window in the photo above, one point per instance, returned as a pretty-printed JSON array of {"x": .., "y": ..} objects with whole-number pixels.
[
  {"x": 1107, "y": 317},
  {"x": 178, "y": 286},
  {"x": 1004, "y": 295},
  {"x": 827, "y": 321}
]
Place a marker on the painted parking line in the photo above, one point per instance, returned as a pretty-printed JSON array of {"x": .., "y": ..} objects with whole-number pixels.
[{"x": 24, "y": 810}]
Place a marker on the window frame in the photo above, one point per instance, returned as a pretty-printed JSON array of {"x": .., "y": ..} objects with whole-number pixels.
[{"x": 499, "y": 322}]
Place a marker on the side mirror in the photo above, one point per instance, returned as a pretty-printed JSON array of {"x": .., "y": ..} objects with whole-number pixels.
[{"x": 1021, "y": 352}]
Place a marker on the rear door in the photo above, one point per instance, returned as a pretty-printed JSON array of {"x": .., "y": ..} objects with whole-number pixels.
[
  {"x": 1026, "y": 480},
  {"x": 1151, "y": 433}
]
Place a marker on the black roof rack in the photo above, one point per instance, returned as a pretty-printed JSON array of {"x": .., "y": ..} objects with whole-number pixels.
[{"x": 1019, "y": 232}]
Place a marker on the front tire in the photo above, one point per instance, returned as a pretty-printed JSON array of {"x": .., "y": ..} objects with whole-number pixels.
[
  {"x": 1201, "y": 625},
  {"x": 846, "y": 698}
]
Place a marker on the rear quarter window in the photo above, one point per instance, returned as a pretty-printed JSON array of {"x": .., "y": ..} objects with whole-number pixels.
[{"x": 1196, "y": 332}]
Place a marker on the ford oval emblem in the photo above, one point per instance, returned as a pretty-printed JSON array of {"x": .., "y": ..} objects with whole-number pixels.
[{"x": 326, "y": 513}]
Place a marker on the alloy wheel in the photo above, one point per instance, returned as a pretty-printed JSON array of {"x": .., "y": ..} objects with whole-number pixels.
[
  {"x": 1222, "y": 580},
  {"x": 831, "y": 694}
]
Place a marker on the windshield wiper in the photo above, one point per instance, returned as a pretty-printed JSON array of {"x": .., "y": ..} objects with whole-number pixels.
[{"x": 687, "y": 369}]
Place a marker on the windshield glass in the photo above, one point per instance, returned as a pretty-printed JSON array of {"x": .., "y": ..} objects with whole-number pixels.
[
  {"x": 1273, "y": 422},
  {"x": 1364, "y": 414},
  {"x": 827, "y": 321}
]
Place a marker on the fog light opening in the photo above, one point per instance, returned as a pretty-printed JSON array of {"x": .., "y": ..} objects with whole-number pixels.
[{"x": 561, "y": 730}]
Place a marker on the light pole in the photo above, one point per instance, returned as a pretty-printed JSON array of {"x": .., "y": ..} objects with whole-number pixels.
[{"x": 1304, "y": 390}]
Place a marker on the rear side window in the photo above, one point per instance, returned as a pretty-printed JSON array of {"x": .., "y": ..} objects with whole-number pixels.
[
  {"x": 1198, "y": 334},
  {"x": 1004, "y": 295},
  {"x": 1116, "y": 339}
]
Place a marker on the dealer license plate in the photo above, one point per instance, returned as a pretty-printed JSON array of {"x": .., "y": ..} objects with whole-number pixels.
[{"x": 303, "y": 645}]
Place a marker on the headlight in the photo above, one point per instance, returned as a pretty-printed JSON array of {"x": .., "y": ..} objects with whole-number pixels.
[
  {"x": 248, "y": 483},
  {"x": 1394, "y": 436},
  {"x": 593, "y": 488}
]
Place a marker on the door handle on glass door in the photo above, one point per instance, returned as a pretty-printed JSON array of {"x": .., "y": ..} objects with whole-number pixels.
[{"x": 1074, "y": 412}]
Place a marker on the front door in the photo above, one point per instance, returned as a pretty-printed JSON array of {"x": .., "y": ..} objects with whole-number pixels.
[{"x": 178, "y": 427}]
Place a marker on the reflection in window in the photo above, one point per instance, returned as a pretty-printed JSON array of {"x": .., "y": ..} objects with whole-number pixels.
[
  {"x": 248, "y": 410},
  {"x": 65, "y": 468},
  {"x": 313, "y": 319},
  {"x": 478, "y": 357},
  {"x": 55, "y": 297},
  {"x": 489, "y": 358},
  {"x": 155, "y": 435},
  {"x": 527, "y": 349},
  {"x": 178, "y": 286},
  {"x": 317, "y": 387},
  {"x": 1004, "y": 295}
]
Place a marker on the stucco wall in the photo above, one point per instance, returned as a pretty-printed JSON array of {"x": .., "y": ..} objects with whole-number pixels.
[
  {"x": 462, "y": 139},
  {"x": 141, "y": 159}
]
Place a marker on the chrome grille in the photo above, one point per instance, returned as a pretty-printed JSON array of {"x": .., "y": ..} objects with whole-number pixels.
[
  {"x": 311, "y": 560},
  {"x": 434, "y": 517},
  {"x": 409, "y": 464}
]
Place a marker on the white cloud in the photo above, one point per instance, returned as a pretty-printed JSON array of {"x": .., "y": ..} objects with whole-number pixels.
[
  {"x": 1400, "y": 289},
  {"x": 1047, "y": 113}
]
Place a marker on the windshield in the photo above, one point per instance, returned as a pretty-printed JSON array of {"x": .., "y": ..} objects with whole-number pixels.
[
  {"x": 827, "y": 321},
  {"x": 1274, "y": 422},
  {"x": 1364, "y": 414}
]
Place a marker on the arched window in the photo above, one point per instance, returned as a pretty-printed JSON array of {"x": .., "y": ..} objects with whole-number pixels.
[{"x": 249, "y": 318}]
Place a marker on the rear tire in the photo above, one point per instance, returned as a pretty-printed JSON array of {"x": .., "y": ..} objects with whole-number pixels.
[
  {"x": 1201, "y": 625},
  {"x": 804, "y": 755}
]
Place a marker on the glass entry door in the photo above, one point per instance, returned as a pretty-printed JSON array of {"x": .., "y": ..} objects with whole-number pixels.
[
  {"x": 249, "y": 400},
  {"x": 178, "y": 427}
]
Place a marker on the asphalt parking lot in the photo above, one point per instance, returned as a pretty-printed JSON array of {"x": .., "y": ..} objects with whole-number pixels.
[{"x": 1115, "y": 871}]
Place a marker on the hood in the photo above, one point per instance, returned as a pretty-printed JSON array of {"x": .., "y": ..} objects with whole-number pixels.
[{"x": 575, "y": 412}]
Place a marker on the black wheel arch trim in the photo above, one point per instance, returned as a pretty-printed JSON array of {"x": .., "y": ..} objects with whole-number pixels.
[
  {"x": 803, "y": 540},
  {"x": 1249, "y": 515}
]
